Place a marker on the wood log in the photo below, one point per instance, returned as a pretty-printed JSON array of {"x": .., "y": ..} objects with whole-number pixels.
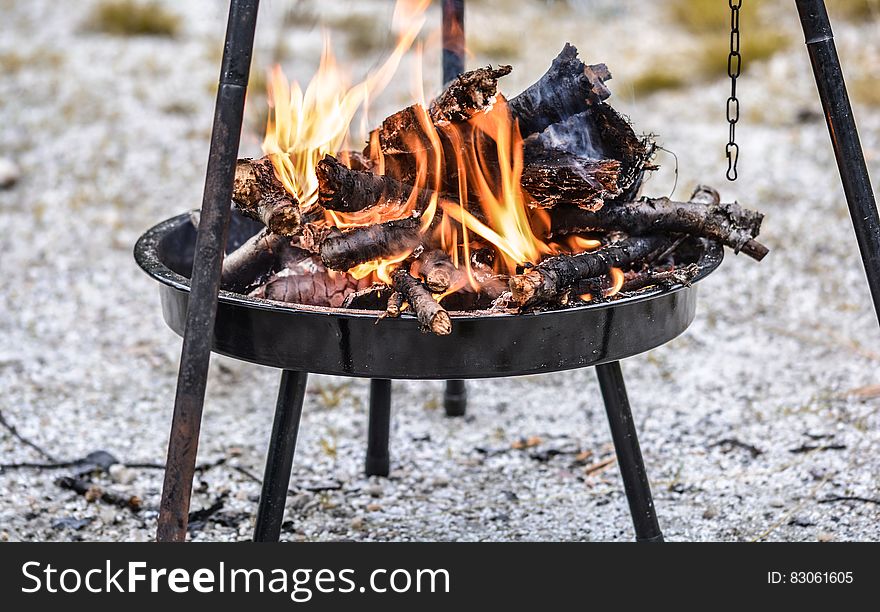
[
  {"x": 345, "y": 190},
  {"x": 551, "y": 278},
  {"x": 468, "y": 94},
  {"x": 260, "y": 195},
  {"x": 305, "y": 280},
  {"x": 438, "y": 271},
  {"x": 704, "y": 216},
  {"x": 344, "y": 249},
  {"x": 374, "y": 297},
  {"x": 243, "y": 266},
  {"x": 562, "y": 178},
  {"x": 636, "y": 280},
  {"x": 431, "y": 315},
  {"x": 569, "y": 87},
  {"x": 395, "y": 304}
]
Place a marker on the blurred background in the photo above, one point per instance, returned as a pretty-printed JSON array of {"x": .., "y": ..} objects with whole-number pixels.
[{"x": 760, "y": 423}]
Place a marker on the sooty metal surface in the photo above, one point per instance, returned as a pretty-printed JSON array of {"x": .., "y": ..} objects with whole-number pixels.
[{"x": 353, "y": 343}]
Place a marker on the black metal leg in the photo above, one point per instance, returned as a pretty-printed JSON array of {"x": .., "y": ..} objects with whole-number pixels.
[
  {"x": 379, "y": 431},
  {"x": 453, "y": 39},
  {"x": 629, "y": 455},
  {"x": 205, "y": 283},
  {"x": 455, "y": 398},
  {"x": 279, "y": 461},
  {"x": 844, "y": 138}
]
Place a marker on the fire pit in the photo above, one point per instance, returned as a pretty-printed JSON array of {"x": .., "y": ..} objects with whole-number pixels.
[{"x": 349, "y": 342}]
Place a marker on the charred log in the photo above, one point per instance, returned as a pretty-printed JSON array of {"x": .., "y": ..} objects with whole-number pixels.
[
  {"x": 569, "y": 87},
  {"x": 431, "y": 315},
  {"x": 551, "y": 278},
  {"x": 438, "y": 271},
  {"x": 374, "y": 297},
  {"x": 242, "y": 267},
  {"x": 305, "y": 280},
  {"x": 260, "y": 195},
  {"x": 395, "y": 304},
  {"x": 342, "y": 250},
  {"x": 562, "y": 178},
  {"x": 704, "y": 216},
  {"x": 345, "y": 190},
  {"x": 470, "y": 93},
  {"x": 636, "y": 280}
]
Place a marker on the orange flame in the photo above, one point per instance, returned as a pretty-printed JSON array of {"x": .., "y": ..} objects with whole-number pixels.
[{"x": 304, "y": 126}]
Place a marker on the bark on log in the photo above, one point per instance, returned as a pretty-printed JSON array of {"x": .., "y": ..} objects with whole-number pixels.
[
  {"x": 305, "y": 280},
  {"x": 374, "y": 297},
  {"x": 551, "y": 278},
  {"x": 438, "y": 271},
  {"x": 345, "y": 190},
  {"x": 431, "y": 315},
  {"x": 242, "y": 267},
  {"x": 470, "y": 93},
  {"x": 562, "y": 178},
  {"x": 569, "y": 87},
  {"x": 636, "y": 280},
  {"x": 395, "y": 304},
  {"x": 260, "y": 195},
  {"x": 342, "y": 250},
  {"x": 704, "y": 216}
]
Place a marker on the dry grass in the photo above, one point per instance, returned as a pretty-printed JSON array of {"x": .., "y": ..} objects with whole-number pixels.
[
  {"x": 133, "y": 18},
  {"x": 865, "y": 91},
  {"x": 854, "y": 10},
  {"x": 364, "y": 34},
  {"x": 497, "y": 49},
  {"x": 658, "y": 78}
]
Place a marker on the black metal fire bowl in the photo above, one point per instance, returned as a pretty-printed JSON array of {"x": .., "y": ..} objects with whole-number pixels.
[{"x": 353, "y": 343}]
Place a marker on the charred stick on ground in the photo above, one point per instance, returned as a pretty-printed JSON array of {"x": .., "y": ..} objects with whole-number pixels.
[
  {"x": 431, "y": 315},
  {"x": 260, "y": 195},
  {"x": 727, "y": 223},
  {"x": 551, "y": 278}
]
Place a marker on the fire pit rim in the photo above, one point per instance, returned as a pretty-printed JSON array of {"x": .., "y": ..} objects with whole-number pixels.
[{"x": 147, "y": 257}]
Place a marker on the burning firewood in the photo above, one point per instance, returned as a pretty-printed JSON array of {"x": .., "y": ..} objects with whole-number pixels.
[
  {"x": 636, "y": 280},
  {"x": 439, "y": 272},
  {"x": 374, "y": 297},
  {"x": 303, "y": 279},
  {"x": 551, "y": 278},
  {"x": 470, "y": 93},
  {"x": 431, "y": 315},
  {"x": 342, "y": 189},
  {"x": 704, "y": 215},
  {"x": 242, "y": 267},
  {"x": 563, "y": 178},
  {"x": 343, "y": 250},
  {"x": 260, "y": 195},
  {"x": 566, "y": 89},
  {"x": 394, "y": 305}
]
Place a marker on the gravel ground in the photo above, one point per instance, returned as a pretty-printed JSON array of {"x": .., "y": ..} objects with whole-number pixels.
[{"x": 760, "y": 423}]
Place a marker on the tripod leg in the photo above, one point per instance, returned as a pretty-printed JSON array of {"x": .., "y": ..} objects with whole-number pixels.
[
  {"x": 629, "y": 455},
  {"x": 379, "y": 429},
  {"x": 279, "y": 461},
  {"x": 844, "y": 138},
  {"x": 205, "y": 282},
  {"x": 455, "y": 398}
]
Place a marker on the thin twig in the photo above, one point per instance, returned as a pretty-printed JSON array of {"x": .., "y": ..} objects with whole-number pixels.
[{"x": 11, "y": 428}]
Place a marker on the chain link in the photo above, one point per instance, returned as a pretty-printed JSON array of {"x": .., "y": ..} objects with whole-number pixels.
[{"x": 734, "y": 67}]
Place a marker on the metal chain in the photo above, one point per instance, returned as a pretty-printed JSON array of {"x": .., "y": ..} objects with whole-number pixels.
[{"x": 734, "y": 66}]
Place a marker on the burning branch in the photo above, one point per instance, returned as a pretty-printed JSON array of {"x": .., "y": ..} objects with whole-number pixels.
[
  {"x": 562, "y": 178},
  {"x": 551, "y": 278},
  {"x": 261, "y": 196},
  {"x": 704, "y": 215},
  {"x": 343, "y": 250},
  {"x": 431, "y": 315},
  {"x": 343, "y": 189}
]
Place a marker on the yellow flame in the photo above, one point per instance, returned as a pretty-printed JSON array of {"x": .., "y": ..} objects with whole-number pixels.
[{"x": 304, "y": 126}]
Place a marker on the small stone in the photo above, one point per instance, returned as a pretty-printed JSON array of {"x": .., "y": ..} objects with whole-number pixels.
[
  {"x": 373, "y": 507},
  {"x": 357, "y": 523},
  {"x": 710, "y": 513},
  {"x": 299, "y": 501},
  {"x": 825, "y": 537},
  {"x": 373, "y": 490},
  {"x": 9, "y": 173},
  {"x": 777, "y": 502},
  {"x": 440, "y": 480},
  {"x": 121, "y": 474}
]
